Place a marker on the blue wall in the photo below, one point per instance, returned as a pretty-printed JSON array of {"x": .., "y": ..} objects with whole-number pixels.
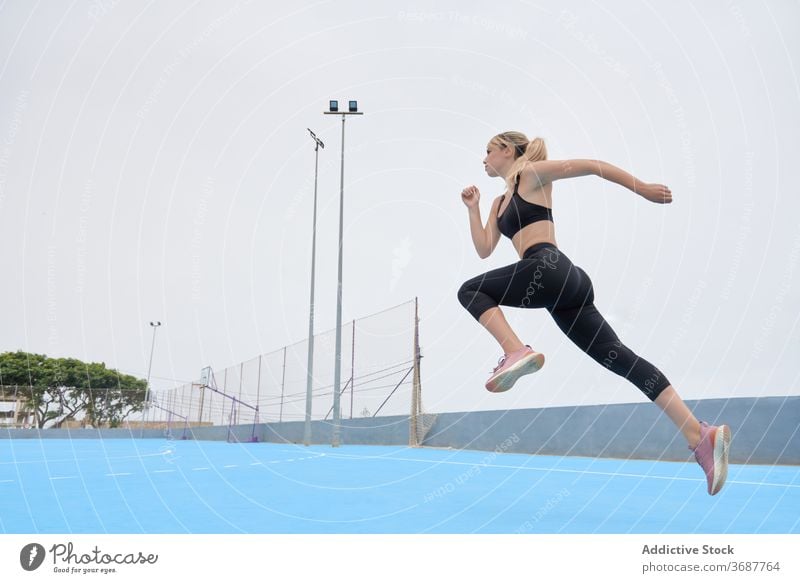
[{"x": 765, "y": 430}]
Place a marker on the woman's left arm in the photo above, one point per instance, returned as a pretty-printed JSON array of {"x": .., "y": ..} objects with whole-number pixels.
[{"x": 546, "y": 171}]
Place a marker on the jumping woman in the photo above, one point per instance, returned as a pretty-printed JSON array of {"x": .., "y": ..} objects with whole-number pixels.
[{"x": 544, "y": 277}]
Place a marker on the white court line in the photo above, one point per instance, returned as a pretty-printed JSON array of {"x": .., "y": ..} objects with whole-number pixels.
[
  {"x": 231, "y": 466},
  {"x": 162, "y": 471},
  {"x": 120, "y": 474},
  {"x": 199, "y": 469},
  {"x": 62, "y": 477},
  {"x": 563, "y": 470},
  {"x": 6, "y": 481},
  {"x": 42, "y": 461},
  {"x": 299, "y": 459}
]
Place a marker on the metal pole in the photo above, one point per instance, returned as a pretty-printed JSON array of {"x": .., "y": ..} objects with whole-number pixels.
[
  {"x": 155, "y": 326},
  {"x": 258, "y": 386},
  {"x": 352, "y": 368},
  {"x": 337, "y": 374},
  {"x": 417, "y": 416},
  {"x": 283, "y": 385},
  {"x": 225, "y": 390},
  {"x": 241, "y": 381},
  {"x": 310, "y": 364}
]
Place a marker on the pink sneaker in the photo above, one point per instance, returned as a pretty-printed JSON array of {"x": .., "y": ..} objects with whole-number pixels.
[
  {"x": 512, "y": 366},
  {"x": 712, "y": 454}
]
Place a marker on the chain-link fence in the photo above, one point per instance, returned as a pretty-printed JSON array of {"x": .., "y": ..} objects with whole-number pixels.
[{"x": 379, "y": 375}]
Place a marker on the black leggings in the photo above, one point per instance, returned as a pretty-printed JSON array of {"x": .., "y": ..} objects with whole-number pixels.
[{"x": 546, "y": 278}]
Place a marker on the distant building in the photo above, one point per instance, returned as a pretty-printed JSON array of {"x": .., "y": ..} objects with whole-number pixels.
[{"x": 13, "y": 410}]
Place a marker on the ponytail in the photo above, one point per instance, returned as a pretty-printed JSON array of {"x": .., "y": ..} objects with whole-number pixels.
[{"x": 536, "y": 150}]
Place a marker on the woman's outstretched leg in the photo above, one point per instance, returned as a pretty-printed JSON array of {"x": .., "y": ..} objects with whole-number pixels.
[
  {"x": 671, "y": 403},
  {"x": 589, "y": 330},
  {"x": 709, "y": 443}
]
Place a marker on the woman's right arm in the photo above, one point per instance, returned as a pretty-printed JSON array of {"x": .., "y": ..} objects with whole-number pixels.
[{"x": 485, "y": 238}]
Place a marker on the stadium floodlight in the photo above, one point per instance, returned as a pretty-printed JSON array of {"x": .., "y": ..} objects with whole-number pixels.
[{"x": 337, "y": 375}]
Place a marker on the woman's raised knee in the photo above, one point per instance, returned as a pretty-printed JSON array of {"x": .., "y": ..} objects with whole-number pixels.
[{"x": 466, "y": 293}]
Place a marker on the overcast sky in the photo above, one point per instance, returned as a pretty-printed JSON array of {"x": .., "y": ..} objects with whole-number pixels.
[{"x": 155, "y": 165}]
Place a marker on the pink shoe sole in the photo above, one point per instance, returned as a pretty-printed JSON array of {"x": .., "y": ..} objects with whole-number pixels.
[
  {"x": 722, "y": 442},
  {"x": 504, "y": 380}
]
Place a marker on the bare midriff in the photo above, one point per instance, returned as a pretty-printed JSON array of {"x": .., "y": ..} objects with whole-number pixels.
[{"x": 538, "y": 232}]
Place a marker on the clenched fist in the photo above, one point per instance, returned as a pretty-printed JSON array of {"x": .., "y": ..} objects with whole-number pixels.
[
  {"x": 471, "y": 196},
  {"x": 657, "y": 193}
]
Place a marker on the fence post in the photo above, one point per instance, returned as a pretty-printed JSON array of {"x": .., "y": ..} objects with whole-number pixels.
[
  {"x": 224, "y": 390},
  {"x": 283, "y": 380},
  {"x": 239, "y": 405},
  {"x": 416, "y": 390},
  {"x": 202, "y": 401},
  {"x": 352, "y": 369},
  {"x": 258, "y": 383}
]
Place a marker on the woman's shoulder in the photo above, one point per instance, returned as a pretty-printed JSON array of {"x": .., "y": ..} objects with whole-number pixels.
[{"x": 535, "y": 176}]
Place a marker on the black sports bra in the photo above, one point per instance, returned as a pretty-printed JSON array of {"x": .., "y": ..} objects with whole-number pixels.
[{"x": 520, "y": 213}]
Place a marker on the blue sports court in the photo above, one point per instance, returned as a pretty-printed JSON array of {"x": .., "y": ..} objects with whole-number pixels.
[{"x": 184, "y": 486}]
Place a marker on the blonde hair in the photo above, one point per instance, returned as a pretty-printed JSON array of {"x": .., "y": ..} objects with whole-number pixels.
[{"x": 524, "y": 150}]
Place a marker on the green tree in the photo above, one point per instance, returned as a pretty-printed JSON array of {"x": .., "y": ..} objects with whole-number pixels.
[{"x": 57, "y": 389}]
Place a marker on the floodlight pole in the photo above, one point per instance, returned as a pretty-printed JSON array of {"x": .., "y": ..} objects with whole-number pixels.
[
  {"x": 155, "y": 326},
  {"x": 337, "y": 375},
  {"x": 310, "y": 368}
]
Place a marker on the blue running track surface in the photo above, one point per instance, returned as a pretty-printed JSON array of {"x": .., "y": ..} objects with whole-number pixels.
[{"x": 163, "y": 486}]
